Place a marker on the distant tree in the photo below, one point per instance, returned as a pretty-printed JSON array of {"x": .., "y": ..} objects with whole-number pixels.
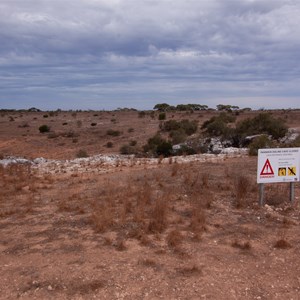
[
  {"x": 162, "y": 107},
  {"x": 228, "y": 108}
]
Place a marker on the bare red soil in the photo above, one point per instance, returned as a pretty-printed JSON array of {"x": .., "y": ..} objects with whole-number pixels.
[{"x": 165, "y": 231}]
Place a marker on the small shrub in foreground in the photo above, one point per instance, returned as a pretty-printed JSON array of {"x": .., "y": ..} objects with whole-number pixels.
[
  {"x": 174, "y": 238},
  {"x": 82, "y": 153},
  {"x": 113, "y": 132},
  {"x": 241, "y": 245},
  {"x": 44, "y": 128},
  {"x": 282, "y": 244},
  {"x": 242, "y": 186},
  {"x": 128, "y": 149}
]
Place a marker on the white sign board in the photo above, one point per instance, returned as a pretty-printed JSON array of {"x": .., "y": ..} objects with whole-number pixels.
[{"x": 278, "y": 165}]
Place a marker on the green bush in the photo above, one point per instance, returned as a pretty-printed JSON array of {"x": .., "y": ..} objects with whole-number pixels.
[
  {"x": 164, "y": 148},
  {"x": 258, "y": 143},
  {"x": 217, "y": 125},
  {"x": 158, "y": 146},
  {"x": 170, "y": 125},
  {"x": 187, "y": 126},
  {"x": 44, "y": 128},
  {"x": 178, "y": 136},
  {"x": 264, "y": 123},
  {"x": 128, "y": 149}
]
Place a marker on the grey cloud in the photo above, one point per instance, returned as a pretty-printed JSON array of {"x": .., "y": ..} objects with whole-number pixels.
[{"x": 148, "y": 50}]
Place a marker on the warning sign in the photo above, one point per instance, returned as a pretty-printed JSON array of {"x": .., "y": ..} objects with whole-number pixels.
[
  {"x": 278, "y": 165},
  {"x": 267, "y": 169},
  {"x": 292, "y": 171},
  {"x": 281, "y": 171}
]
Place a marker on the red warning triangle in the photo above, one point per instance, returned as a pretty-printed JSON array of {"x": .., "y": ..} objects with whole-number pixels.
[{"x": 267, "y": 169}]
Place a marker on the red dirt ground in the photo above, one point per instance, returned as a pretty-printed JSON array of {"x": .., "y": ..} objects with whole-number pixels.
[{"x": 169, "y": 231}]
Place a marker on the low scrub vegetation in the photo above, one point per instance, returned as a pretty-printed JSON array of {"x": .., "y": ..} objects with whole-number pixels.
[
  {"x": 44, "y": 128},
  {"x": 82, "y": 153},
  {"x": 157, "y": 146},
  {"x": 113, "y": 132},
  {"x": 264, "y": 128}
]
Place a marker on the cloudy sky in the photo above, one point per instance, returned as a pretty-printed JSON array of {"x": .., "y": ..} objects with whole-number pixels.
[{"x": 105, "y": 54}]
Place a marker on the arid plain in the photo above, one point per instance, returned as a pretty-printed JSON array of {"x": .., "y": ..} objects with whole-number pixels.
[{"x": 136, "y": 228}]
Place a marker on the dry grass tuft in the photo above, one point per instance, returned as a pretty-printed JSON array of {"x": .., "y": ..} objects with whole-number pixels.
[
  {"x": 158, "y": 216},
  {"x": 102, "y": 218},
  {"x": 145, "y": 240},
  {"x": 282, "y": 244},
  {"x": 241, "y": 245},
  {"x": 147, "y": 262},
  {"x": 120, "y": 245},
  {"x": 276, "y": 194},
  {"x": 205, "y": 180},
  {"x": 84, "y": 288},
  {"x": 174, "y": 238},
  {"x": 17, "y": 190},
  {"x": 198, "y": 219},
  {"x": 190, "y": 271},
  {"x": 242, "y": 185}
]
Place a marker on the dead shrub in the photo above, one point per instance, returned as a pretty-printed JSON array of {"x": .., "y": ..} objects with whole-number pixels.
[
  {"x": 158, "y": 216},
  {"x": 175, "y": 169},
  {"x": 102, "y": 218},
  {"x": 120, "y": 245},
  {"x": 276, "y": 195},
  {"x": 282, "y": 244},
  {"x": 147, "y": 262},
  {"x": 198, "y": 219},
  {"x": 241, "y": 245},
  {"x": 107, "y": 241},
  {"x": 189, "y": 271},
  {"x": 83, "y": 288},
  {"x": 145, "y": 240},
  {"x": 242, "y": 185},
  {"x": 204, "y": 180},
  {"x": 143, "y": 201},
  {"x": 174, "y": 238}
]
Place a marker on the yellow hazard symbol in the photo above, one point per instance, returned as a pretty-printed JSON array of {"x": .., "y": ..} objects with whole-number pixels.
[
  {"x": 292, "y": 171},
  {"x": 281, "y": 171}
]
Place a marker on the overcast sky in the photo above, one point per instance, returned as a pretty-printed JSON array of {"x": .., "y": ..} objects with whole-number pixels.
[{"x": 105, "y": 54}]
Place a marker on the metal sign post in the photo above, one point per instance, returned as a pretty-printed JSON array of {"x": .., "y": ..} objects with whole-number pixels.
[
  {"x": 292, "y": 192},
  {"x": 261, "y": 194}
]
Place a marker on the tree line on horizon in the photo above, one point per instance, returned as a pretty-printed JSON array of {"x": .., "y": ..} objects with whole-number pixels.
[{"x": 162, "y": 107}]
